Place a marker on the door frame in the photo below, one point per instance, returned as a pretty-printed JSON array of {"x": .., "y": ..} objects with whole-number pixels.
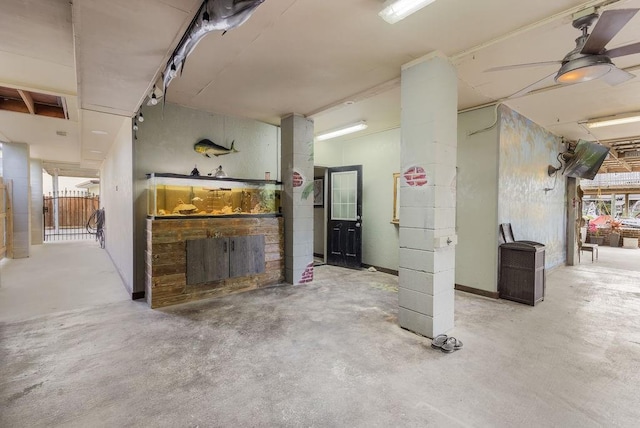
[{"x": 359, "y": 209}]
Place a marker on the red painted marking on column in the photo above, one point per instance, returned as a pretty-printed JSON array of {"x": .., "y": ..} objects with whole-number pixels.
[
  {"x": 415, "y": 176},
  {"x": 307, "y": 275}
]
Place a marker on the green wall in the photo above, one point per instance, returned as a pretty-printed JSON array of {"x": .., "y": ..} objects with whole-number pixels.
[{"x": 379, "y": 155}]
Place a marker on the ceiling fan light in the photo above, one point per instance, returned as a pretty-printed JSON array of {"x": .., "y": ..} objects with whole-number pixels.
[
  {"x": 397, "y": 10},
  {"x": 584, "y": 69}
]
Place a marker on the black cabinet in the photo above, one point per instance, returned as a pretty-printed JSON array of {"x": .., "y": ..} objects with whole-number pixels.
[
  {"x": 214, "y": 259},
  {"x": 522, "y": 274}
]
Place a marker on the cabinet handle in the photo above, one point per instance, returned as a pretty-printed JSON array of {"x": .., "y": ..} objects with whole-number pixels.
[
  {"x": 225, "y": 247},
  {"x": 233, "y": 245}
]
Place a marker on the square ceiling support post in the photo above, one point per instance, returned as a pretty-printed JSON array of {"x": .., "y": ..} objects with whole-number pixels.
[
  {"x": 297, "y": 197},
  {"x": 15, "y": 167},
  {"x": 428, "y": 152},
  {"x": 574, "y": 220}
]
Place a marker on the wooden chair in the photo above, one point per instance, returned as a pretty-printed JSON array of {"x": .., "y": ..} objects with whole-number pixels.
[{"x": 593, "y": 248}]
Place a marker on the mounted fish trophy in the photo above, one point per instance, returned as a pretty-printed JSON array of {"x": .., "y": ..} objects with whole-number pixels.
[{"x": 208, "y": 148}]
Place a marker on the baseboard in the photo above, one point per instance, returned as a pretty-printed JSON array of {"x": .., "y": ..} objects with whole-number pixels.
[
  {"x": 478, "y": 292},
  {"x": 554, "y": 268},
  {"x": 137, "y": 295},
  {"x": 381, "y": 269},
  {"x": 124, "y": 282}
]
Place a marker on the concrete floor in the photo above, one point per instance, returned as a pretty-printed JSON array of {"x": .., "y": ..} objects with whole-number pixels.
[{"x": 325, "y": 354}]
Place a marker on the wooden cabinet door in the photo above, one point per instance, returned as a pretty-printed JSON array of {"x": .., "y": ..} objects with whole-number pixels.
[
  {"x": 247, "y": 255},
  {"x": 207, "y": 260}
]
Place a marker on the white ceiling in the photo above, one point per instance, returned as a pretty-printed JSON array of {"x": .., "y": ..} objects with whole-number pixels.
[{"x": 304, "y": 56}]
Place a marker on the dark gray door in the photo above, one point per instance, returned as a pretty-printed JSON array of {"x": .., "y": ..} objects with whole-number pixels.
[
  {"x": 344, "y": 237},
  {"x": 247, "y": 255},
  {"x": 207, "y": 260}
]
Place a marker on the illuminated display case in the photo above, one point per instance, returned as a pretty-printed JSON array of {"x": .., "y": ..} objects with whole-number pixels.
[{"x": 178, "y": 196}]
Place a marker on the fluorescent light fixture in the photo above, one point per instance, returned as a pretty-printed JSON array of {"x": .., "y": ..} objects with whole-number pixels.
[
  {"x": 95, "y": 151},
  {"x": 397, "y": 10},
  {"x": 342, "y": 131},
  {"x": 99, "y": 132},
  {"x": 614, "y": 120}
]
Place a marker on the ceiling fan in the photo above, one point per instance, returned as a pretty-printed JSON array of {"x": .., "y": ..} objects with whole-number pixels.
[{"x": 590, "y": 59}]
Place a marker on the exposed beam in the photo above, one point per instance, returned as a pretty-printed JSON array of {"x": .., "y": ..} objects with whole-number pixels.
[
  {"x": 13, "y": 105},
  {"x": 65, "y": 111},
  {"x": 28, "y": 100},
  {"x": 360, "y": 96},
  {"x": 51, "y": 111},
  {"x": 632, "y": 140},
  {"x": 604, "y": 190},
  {"x": 614, "y": 154}
]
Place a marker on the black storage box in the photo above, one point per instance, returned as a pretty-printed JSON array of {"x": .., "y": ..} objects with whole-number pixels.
[{"x": 522, "y": 274}]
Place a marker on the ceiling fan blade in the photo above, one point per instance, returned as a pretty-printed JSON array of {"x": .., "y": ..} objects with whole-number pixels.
[
  {"x": 631, "y": 49},
  {"x": 617, "y": 76},
  {"x": 608, "y": 25},
  {"x": 516, "y": 66},
  {"x": 530, "y": 87}
]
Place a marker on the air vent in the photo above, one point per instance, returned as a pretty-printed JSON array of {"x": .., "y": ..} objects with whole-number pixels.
[
  {"x": 23, "y": 101},
  {"x": 61, "y": 133}
]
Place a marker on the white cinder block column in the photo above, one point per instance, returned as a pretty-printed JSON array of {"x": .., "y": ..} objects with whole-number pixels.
[
  {"x": 297, "y": 197},
  {"x": 15, "y": 166},
  {"x": 37, "y": 226},
  {"x": 428, "y": 195}
]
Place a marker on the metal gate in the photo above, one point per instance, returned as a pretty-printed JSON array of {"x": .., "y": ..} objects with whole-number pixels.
[{"x": 66, "y": 214}]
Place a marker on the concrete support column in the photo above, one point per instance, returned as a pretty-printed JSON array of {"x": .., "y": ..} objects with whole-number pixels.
[
  {"x": 37, "y": 216},
  {"x": 297, "y": 197},
  {"x": 15, "y": 166},
  {"x": 428, "y": 195},
  {"x": 574, "y": 215}
]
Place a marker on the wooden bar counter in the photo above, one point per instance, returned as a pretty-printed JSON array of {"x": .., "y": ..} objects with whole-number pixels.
[{"x": 193, "y": 258}]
